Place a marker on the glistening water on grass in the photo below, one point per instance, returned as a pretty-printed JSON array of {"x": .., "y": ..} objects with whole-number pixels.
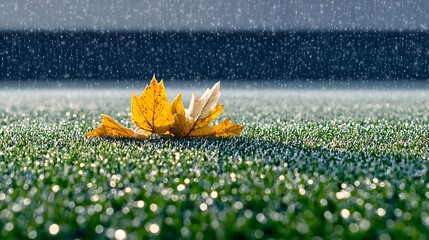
[{"x": 310, "y": 164}]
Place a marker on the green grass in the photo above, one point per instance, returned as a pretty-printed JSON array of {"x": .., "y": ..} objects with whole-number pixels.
[{"x": 310, "y": 164}]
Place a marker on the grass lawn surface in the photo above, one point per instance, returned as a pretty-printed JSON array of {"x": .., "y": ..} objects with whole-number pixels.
[{"x": 310, "y": 164}]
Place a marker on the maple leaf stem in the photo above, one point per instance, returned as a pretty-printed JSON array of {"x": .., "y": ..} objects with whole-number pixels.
[{"x": 153, "y": 111}]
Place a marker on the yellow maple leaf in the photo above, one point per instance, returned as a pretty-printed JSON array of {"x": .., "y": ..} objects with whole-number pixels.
[
  {"x": 194, "y": 121},
  {"x": 152, "y": 113},
  {"x": 110, "y": 128},
  {"x": 152, "y": 110}
]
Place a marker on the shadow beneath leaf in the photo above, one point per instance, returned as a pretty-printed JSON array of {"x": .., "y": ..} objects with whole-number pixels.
[{"x": 245, "y": 152}]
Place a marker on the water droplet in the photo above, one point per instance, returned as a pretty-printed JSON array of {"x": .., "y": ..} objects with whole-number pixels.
[
  {"x": 153, "y": 207},
  {"x": 214, "y": 194},
  {"x": 180, "y": 187},
  {"x": 120, "y": 234},
  {"x": 55, "y": 188},
  {"x": 54, "y": 229},
  {"x": 261, "y": 218},
  {"x": 154, "y": 228},
  {"x": 203, "y": 206},
  {"x": 139, "y": 204},
  {"x": 381, "y": 212},
  {"x": 345, "y": 213},
  {"x": 9, "y": 227},
  {"x": 99, "y": 229}
]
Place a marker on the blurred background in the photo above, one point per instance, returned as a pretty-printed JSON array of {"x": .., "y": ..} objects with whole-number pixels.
[{"x": 204, "y": 39}]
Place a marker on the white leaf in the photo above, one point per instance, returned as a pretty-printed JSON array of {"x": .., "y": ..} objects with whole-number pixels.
[{"x": 200, "y": 108}]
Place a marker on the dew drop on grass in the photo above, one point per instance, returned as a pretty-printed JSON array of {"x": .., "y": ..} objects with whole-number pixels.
[
  {"x": 154, "y": 228},
  {"x": 381, "y": 212},
  {"x": 98, "y": 207},
  {"x": 109, "y": 211},
  {"x": 99, "y": 229},
  {"x": 259, "y": 234},
  {"x": 32, "y": 234},
  {"x": 55, "y": 188},
  {"x": 120, "y": 234},
  {"x": 384, "y": 236},
  {"x": 139, "y": 204},
  {"x": 153, "y": 207},
  {"x": 353, "y": 227},
  {"x": 203, "y": 207},
  {"x": 345, "y": 213},
  {"x": 9, "y": 226},
  {"x": 214, "y": 194},
  {"x": 180, "y": 187},
  {"x": 39, "y": 219},
  {"x": 238, "y": 205},
  {"x": 327, "y": 215},
  {"x": 26, "y": 201},
  {"x": 209, "y": 201},
  {"x": 54, "y": 229},
  {"x": 261, "y": 218},
  {"x": 364, "y": 224}
]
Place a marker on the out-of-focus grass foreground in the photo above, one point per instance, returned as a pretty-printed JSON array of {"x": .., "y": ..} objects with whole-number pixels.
[{"x": 309, "y": 164}]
